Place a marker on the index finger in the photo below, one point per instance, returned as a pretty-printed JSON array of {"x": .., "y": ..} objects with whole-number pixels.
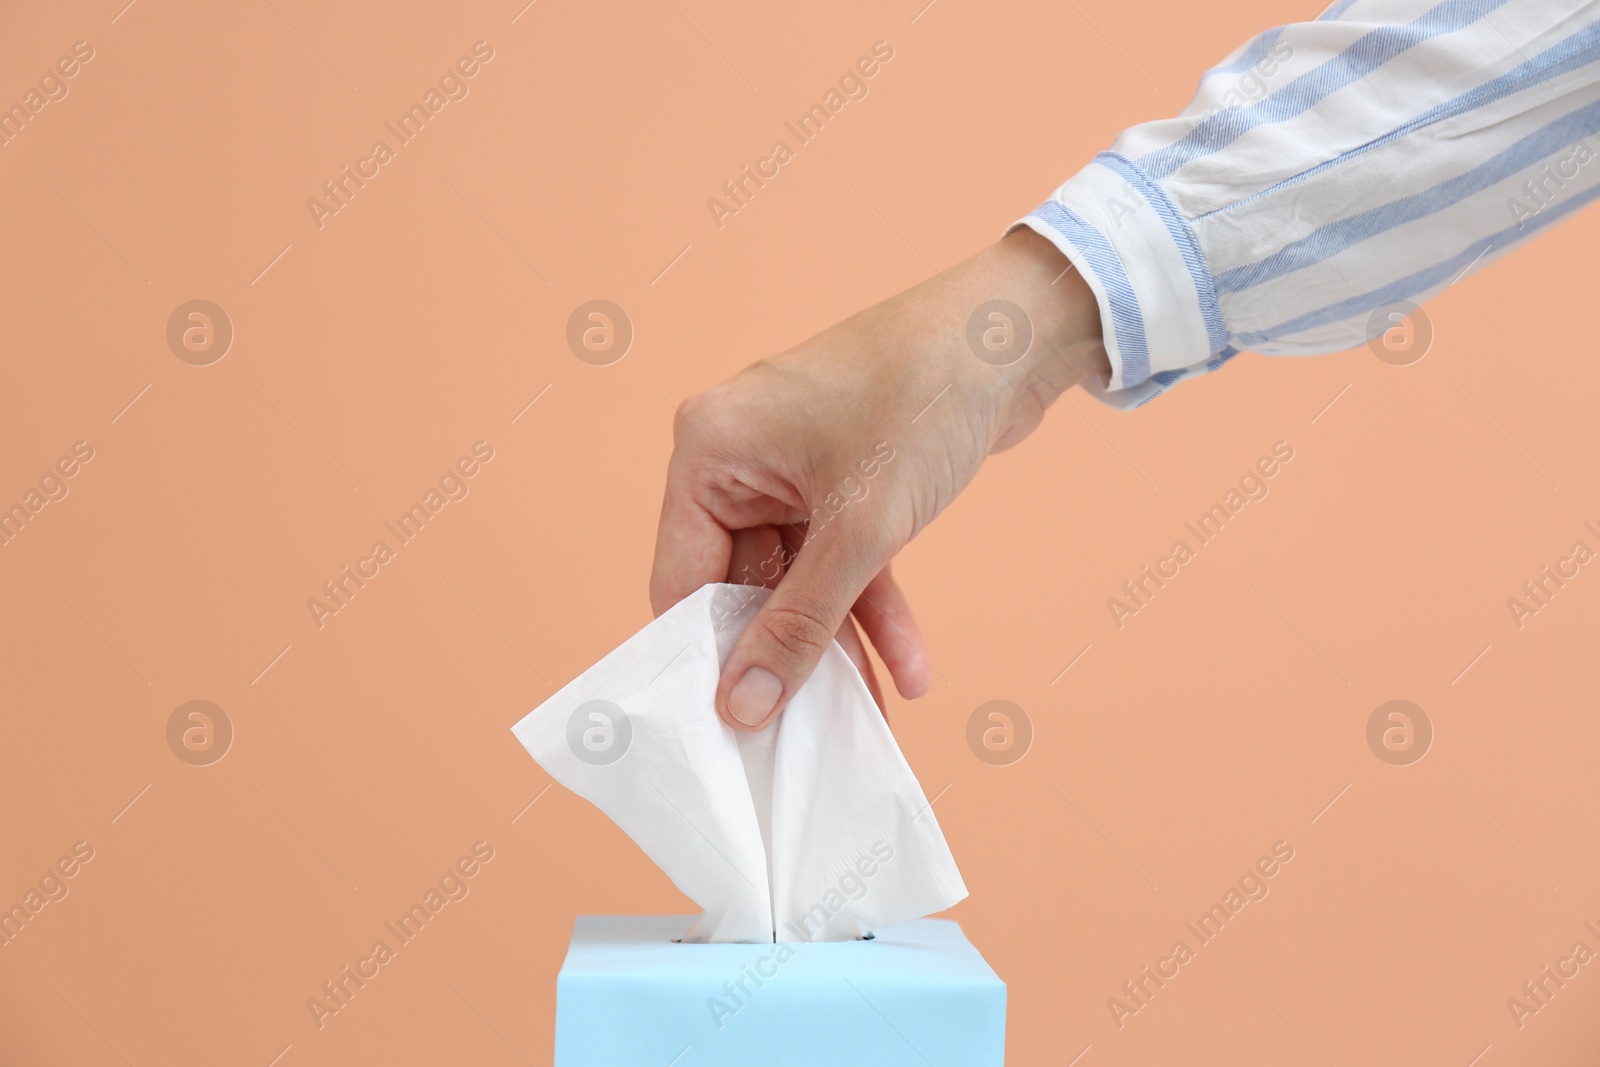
[{"x": 692, "y": 547}]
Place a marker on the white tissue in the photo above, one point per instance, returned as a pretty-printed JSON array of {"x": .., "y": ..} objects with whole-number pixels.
[{"x": 814, "y": 829}]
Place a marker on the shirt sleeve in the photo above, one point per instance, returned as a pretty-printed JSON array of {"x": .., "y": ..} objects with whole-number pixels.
[{"x": 1327, "y": 173}]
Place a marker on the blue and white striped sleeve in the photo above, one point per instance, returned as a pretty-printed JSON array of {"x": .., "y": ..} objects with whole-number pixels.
[{"x": 1326, "y": 171}]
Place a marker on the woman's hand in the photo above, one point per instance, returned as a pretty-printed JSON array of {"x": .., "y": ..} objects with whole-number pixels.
[{"x": 809, "y": 471}]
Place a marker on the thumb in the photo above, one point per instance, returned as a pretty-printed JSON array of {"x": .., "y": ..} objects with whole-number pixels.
[{"x": 781, "y": 647}]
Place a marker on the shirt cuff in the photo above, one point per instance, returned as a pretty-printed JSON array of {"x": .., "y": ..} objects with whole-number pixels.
[{"x": 1135, "y": 248}]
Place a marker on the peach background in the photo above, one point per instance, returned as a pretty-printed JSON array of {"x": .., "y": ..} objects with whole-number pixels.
[{"x": 375, "y": 751}]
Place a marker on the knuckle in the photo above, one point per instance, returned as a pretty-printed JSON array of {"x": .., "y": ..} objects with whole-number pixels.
[
  {"x": 696, "y": 406},
  {"x": 707, "y": 420},
  {"x": 692, "y": 413},
  {"x": 799, "y": 631}
]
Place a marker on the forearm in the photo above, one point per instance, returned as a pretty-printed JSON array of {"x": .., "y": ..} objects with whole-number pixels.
[{"x": 1327, "y": 171}]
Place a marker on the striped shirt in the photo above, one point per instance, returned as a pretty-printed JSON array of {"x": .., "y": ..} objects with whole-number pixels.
[{"x": 1328, "y": 173}]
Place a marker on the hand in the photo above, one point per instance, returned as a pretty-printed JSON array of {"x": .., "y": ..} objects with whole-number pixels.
[{"x": 809, "y": 471}]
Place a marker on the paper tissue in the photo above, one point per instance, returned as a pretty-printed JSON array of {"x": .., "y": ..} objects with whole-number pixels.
[{"x": 810, "y": 846}]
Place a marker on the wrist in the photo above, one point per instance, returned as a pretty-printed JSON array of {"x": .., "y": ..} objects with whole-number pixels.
[
  {"x": 1005, "y": 332},
  {"x": 1065, "y": 315},
  {"x": 1034, "y": 325}
]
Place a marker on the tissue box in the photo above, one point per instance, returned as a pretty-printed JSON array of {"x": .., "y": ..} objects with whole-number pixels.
[{"x": 914, "y": 994}]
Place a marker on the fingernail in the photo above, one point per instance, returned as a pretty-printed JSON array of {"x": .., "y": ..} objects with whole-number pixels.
[{"x": 754, "y": 696}]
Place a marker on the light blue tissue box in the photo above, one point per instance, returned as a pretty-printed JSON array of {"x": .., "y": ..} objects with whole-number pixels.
[{"x": 913, "y": 995}]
